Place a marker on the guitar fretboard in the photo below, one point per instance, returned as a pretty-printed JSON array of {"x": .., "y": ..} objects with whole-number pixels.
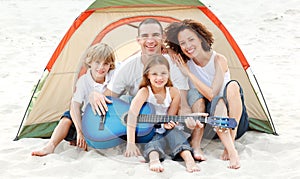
[{"x": 153, "y": 118}]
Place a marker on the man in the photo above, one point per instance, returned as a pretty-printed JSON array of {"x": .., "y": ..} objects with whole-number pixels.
[{"x": 128, "y": 76}]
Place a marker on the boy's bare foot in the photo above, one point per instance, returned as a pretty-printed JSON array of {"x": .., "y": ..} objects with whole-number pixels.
[
  {"x": 234, "y": 161},
  {"x": 48, "y": 149},
  {"x": 155, "y": 165},
  {"x": 199, "y": 155},
  {"x": 225, "y": 155},
  {"x": 192, "y": 167}
]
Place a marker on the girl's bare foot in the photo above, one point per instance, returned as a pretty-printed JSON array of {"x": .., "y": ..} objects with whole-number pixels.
[
  {"x": 48, "y": 149},
  {"x": 234, "y": 161},
  {"x": 192, "y": 167},
  {"x": 155, "y": 165}
]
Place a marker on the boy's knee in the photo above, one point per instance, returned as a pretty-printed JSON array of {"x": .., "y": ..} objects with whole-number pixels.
[{"x": 65, "y": 121}]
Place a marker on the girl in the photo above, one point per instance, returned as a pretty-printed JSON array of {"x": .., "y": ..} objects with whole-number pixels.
[
  {"x": 100, "y": 60},
  {"x": 210, "y": 83},
  {"x": 156, "y": 88}
]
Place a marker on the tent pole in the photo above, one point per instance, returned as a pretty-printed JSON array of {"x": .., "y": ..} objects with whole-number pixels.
[
  {"x": 17, "y": 138},
  {"x": 262, "y": 95}
]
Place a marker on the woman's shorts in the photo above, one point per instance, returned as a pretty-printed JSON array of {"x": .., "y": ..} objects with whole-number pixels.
[{"x": 194, "y": 95}]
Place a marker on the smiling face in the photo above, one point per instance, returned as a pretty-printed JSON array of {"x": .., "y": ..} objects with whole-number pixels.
[
  {"x": 190, "y": 43},
  {"x": 158, "y": 75},
  {"x": 150, "y": 39},
  {"x": 99, "y": 68}
]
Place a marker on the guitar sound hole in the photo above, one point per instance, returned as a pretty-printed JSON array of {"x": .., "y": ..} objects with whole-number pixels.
[{"x": 124, "y": 118}]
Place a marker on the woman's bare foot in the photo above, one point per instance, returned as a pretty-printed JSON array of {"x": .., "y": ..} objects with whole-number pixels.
[
  {"x": 234, "y": 161},
  {"x": 192, "y": 167},
  {"x": 225, "y": 155},
  {"x": 156, "y": 166},
  {"x": 48, "y": 149}
]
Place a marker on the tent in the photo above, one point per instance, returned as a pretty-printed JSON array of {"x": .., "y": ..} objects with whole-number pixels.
[{"x": 114, "y": 22}]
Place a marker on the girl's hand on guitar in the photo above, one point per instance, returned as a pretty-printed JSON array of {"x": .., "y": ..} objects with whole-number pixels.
[
  {"x": 170, "y": 125},
  {"x": 132, "y": 150}
]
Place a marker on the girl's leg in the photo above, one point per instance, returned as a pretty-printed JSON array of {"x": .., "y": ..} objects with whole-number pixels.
[
  {"x": 154, "y": 163},
  {"x": 154, "y": 152},
  {"x": 180, "y": 146},
  {"x": 59, "y": 133}
]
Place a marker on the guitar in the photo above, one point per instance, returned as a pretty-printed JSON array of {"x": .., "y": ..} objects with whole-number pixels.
[{"x": 110, "y": 130}]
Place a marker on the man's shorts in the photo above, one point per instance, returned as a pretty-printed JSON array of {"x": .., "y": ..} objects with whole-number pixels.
[{"x": 194, "y": 95}]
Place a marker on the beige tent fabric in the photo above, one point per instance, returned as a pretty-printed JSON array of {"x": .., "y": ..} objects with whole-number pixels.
[{"x": 56, "y": 94}]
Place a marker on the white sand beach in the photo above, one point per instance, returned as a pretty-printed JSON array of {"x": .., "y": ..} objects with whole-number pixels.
[{"x": 267, "y": 33}]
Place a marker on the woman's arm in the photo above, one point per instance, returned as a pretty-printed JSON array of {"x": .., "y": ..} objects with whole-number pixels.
[{"x": 209, "y": 93}]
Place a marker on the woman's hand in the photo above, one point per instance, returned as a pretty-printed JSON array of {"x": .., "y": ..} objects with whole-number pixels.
[{"x": 181, "y": 64}]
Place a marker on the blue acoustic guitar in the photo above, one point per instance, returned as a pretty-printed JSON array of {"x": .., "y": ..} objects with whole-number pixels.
[{"x": 110, "y": 130}]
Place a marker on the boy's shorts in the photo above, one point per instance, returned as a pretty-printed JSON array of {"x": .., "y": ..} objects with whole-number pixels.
[
  {"x": 194, "y": 95},
  {"x": 72, "y": 134}
]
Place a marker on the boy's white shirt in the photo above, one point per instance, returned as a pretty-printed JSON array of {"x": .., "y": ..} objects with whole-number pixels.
[{"x": 86, "y": 84}]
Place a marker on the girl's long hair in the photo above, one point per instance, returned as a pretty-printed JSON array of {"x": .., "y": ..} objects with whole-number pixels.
[{"x": 154, "y": 60}]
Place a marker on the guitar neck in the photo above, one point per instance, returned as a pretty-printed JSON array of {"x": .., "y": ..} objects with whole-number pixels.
[{"x": 153, "y": 118}]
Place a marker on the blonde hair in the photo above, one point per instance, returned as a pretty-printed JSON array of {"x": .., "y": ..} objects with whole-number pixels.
[
  {"x": 100, "y": 52},
  {"x": 154, "y": 60}
]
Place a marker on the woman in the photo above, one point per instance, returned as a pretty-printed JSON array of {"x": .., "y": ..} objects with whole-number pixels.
[{"x": 211, "y": 89}]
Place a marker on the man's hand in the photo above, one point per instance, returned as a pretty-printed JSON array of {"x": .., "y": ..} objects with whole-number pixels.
[
  {"x": 98, "y": 102},
  {"x": 192, "y": 124}
]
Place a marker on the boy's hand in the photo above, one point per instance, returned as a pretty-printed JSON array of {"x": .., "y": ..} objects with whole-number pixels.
[
  {"x": 132, "y": 150},
  {"x": 98, "y": 102},
  {"x": 81, "y": 141}
]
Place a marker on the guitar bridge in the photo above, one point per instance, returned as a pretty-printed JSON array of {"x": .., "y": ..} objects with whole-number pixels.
[{"x": 102, "y": 120}]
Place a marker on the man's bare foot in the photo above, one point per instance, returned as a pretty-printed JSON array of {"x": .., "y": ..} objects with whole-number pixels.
[
  {"x": 234, "y": 161},
  {"x": 192, "y": 167},
  {"x": 155, "y": 165},
  {"x": 199, "y": 155},
  {"x": 48, "y": 149},
  {"x": 225, "y": 155}
]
